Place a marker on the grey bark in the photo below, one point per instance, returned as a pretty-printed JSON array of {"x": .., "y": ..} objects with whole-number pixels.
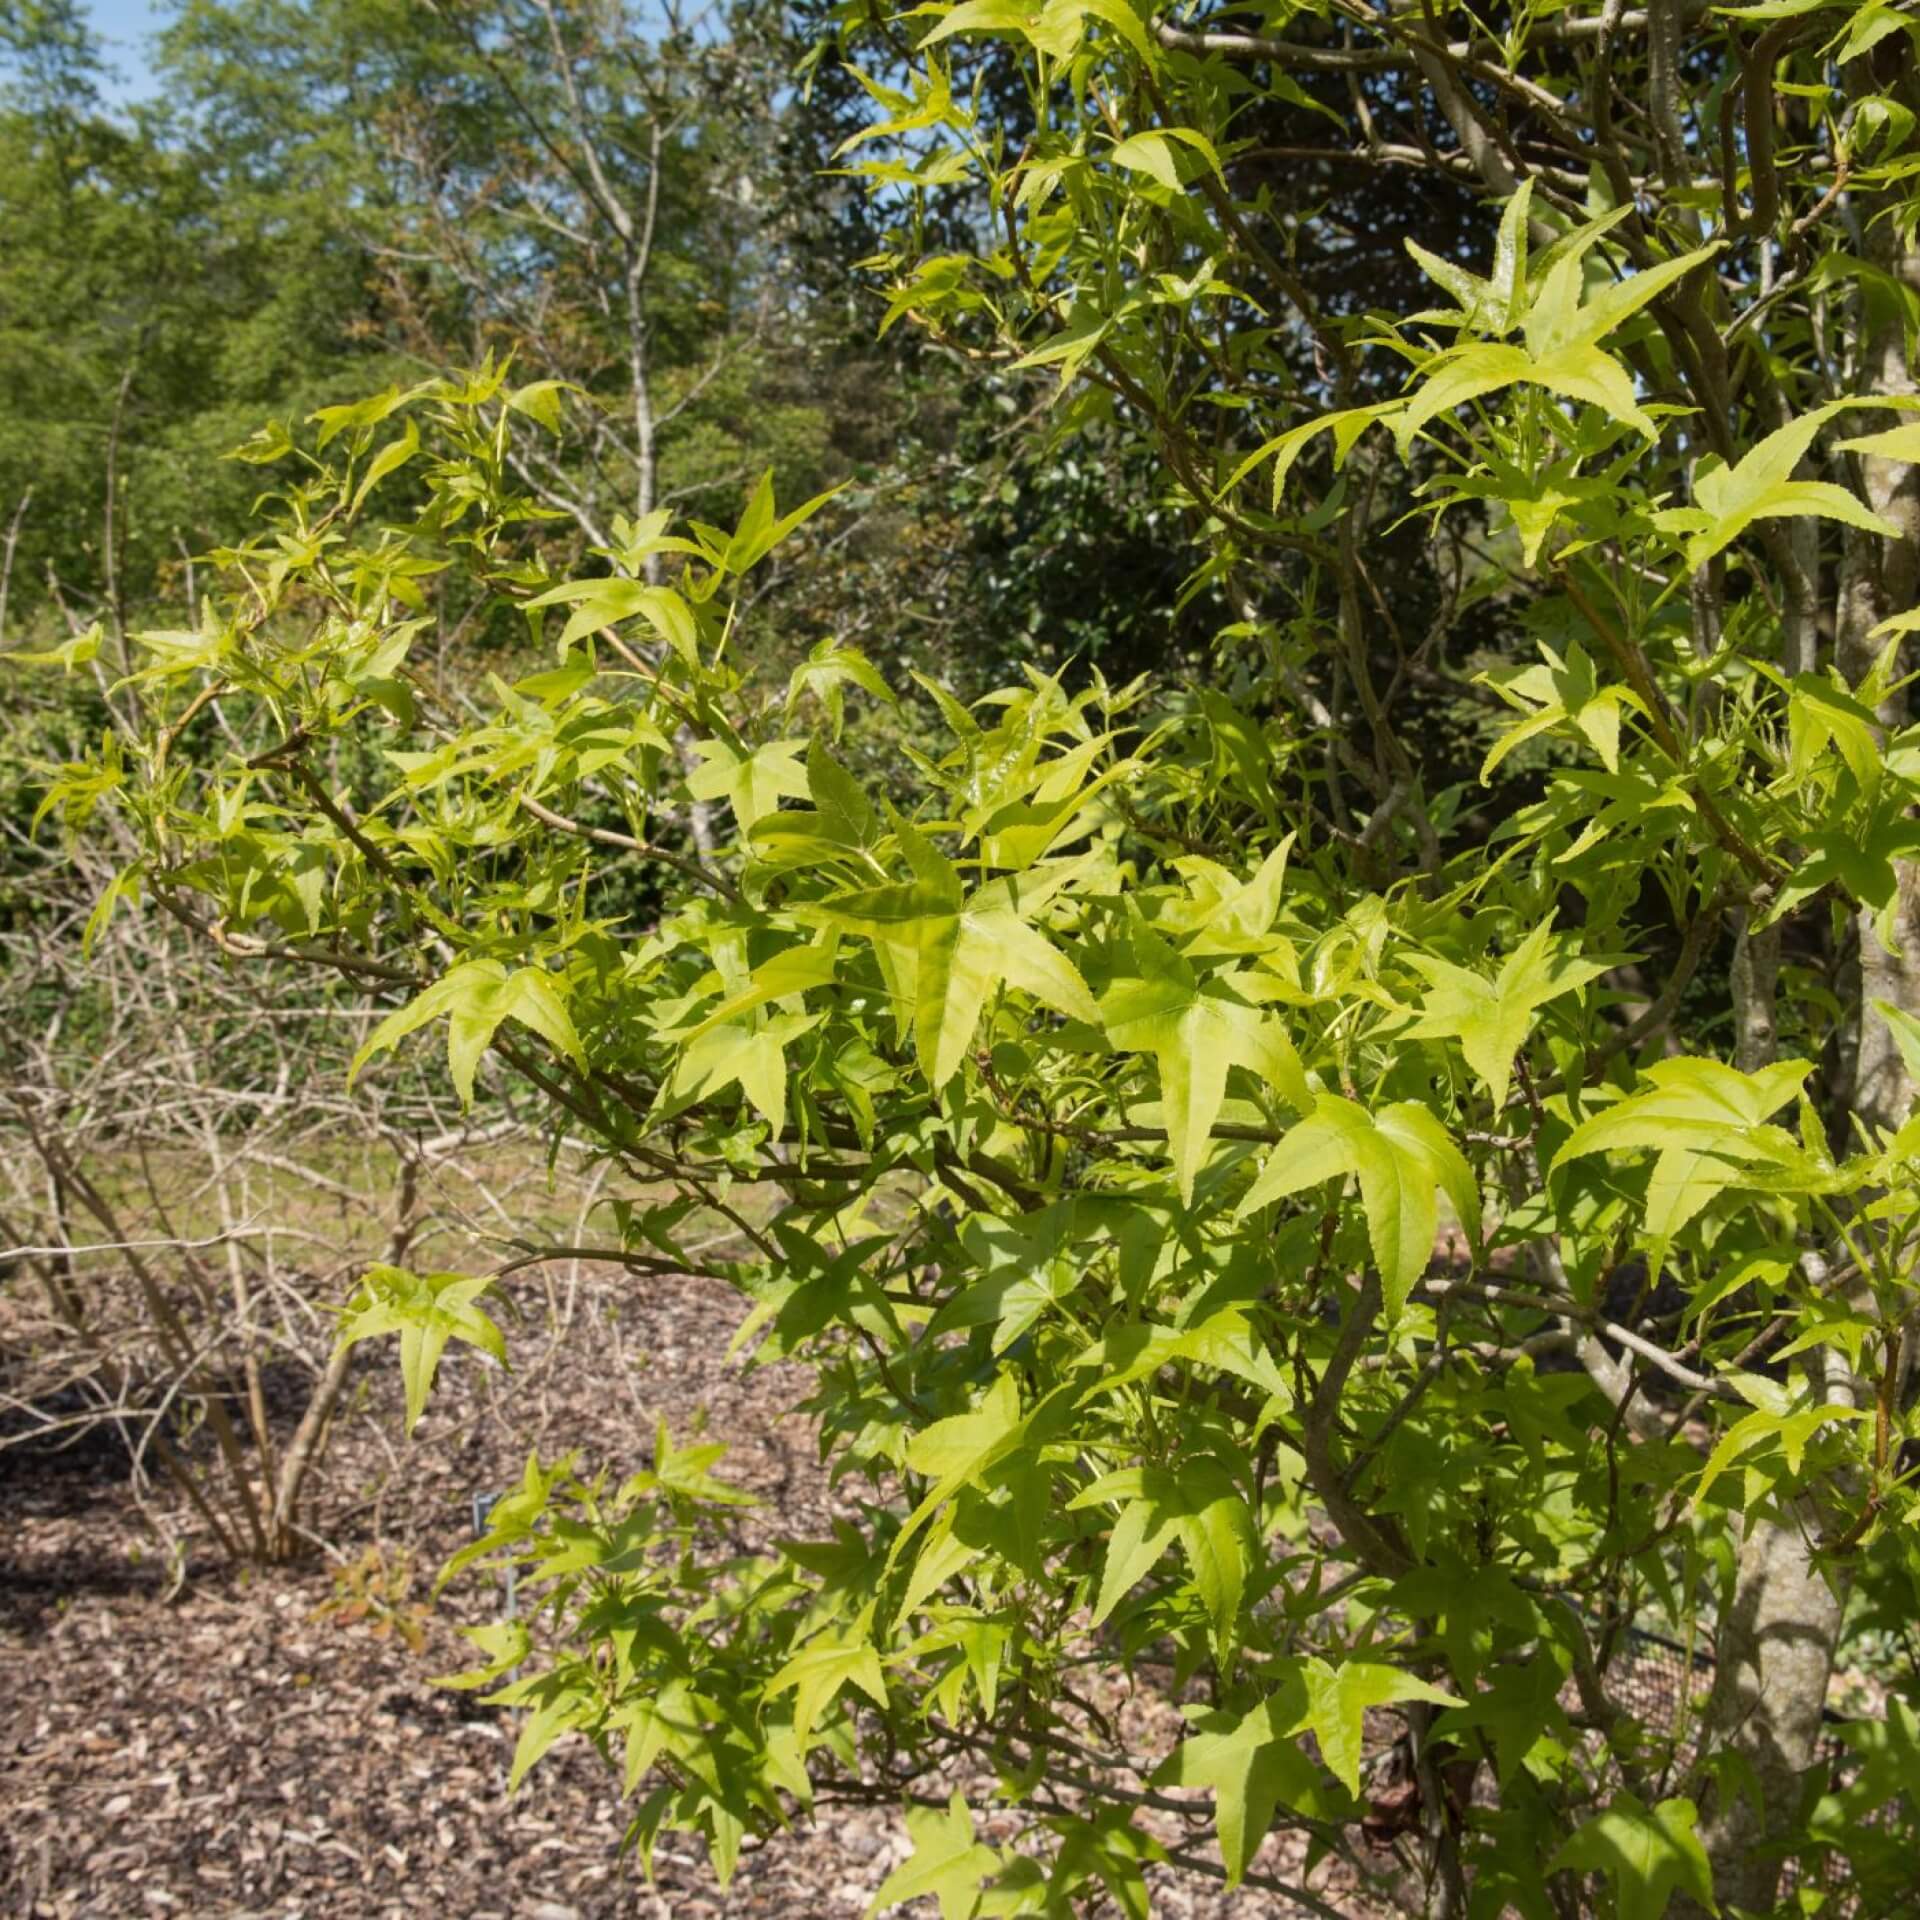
[
  {"x": 1773, "y": 1659},
  {"x": 1773, "y": 1649},
  {"x": 1775, "y": 1644},
  {"x": 1882, "y": 577},
  {"x": 1755, "y": 978}
]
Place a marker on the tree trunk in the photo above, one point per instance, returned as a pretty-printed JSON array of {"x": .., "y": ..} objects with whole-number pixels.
[
  {"x": 1774, "y": 1645},
  {"x": 1773, "y": 1658},
  {"x": 1882, "y": 577}
]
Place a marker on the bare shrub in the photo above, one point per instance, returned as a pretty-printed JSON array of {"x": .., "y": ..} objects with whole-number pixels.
[{"x": 187, "y": 1193}]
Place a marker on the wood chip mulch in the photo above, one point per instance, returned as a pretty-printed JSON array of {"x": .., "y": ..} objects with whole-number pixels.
[{"x": 258, "y": 1746}]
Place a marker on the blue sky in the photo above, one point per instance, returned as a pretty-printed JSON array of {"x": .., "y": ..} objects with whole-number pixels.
[{"x": 125, "y": 26}]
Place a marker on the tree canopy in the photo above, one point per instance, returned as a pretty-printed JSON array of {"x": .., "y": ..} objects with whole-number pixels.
[{"x": 1326, "y": 1184}]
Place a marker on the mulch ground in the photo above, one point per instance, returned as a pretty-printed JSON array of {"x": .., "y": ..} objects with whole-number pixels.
[{"x": 265, "y": 1743}]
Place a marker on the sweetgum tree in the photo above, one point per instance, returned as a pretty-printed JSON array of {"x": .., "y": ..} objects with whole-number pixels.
[{"x": 1089, "y": 1125}]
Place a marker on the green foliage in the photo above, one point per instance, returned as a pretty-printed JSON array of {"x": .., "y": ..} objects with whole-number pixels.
[
  {"x": 1105, "y": 1071},
  {"x": 947, "y": 1863},
  {"x": 1648, "y": 1853},
  {"x": 426, "y": 1310},
  {"x": 476, "y": 997},
  {"x": 151, "y": 311}
]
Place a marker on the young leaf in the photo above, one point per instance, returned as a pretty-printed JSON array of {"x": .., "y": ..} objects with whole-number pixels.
[
  {"x": 1492, "y": 1018},
  {"x": 1823, "y": 714},
  {"x": 1555, "y": 324},
  {"x": 1728, "y": 500},
  {"x": 561, "y": 1708},
  {"x": 954, "y": 951},
  {"x": 979, "y": 16},
  {"x": 607, "y": 601},
  {"x": 1286, "y": 448},
  {"x": 947, "y": 1862},
  {"x": 1253, "y": 1765},
  {"x": 1199, "y": 1506},
  {"x": 477, "y": 996},
  {"x": 1794, "y": 1430},
  {"x": 754, "y": 1055},
  {"x": 1471, "y": 372},
  {"x": 1402, "y": 1156},
  {"x": 1560, "y": 690},
  {"x": 819, "y": 1670},
  {"x": 762, "y": 528},
  {"x": 1195, "y": 1027},
  {"x": 953, "y": 1451},
  {"x": 1149, "y": 153},
  {"x": 1491, "y": 306},
  {"x": 959, "y": 1451},
  {"x": 393, "y": 456},
  {"x": 752, "y": 783},
  {"x": 1337, "y": 1700},
  {"x": 1697, "y": 1103},
  {"x": 506, "y": 1643},
  {"x": 1649, "y": 1853},
  {"x": 1707, "y": 1123},
  {"x": 825, "y": 673},
  {"x": 426, "y": 1310},
  {"x": 79, "y": 651}
]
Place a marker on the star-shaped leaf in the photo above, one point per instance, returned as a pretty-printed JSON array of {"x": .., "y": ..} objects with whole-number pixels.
[
  {"x": 950, "y": 952},
  {"x": 817, "y": 1673},
  {"x": 426, "y": 1310},
  {"x": 1823, "y": 714},
  {"x": 752, "y": 1052},
  {"x": 1561, "y": 328},
  {"x": 1253, "y": 1765},
  {"x": 1337, "y": 1701},
  {"x": 1581, "y": 372},
  {"x": 948, "y": 1862},
  {"x": 959, "y": 1450},
  {"x": 1493, "y": 305},
  {"x": 826, "y": 672},
  {"x": 1561, "y": 691},
  {"x": 753, "y": 784},
  {"x": 478, "y": 996},
  {"x": 1649, "y": 1853},
  {"x": 1761, "y": 486},
  {"x": 1697, "y": 1104},
  {"x": 1794, "y": 1430},
  {"x": 607, "y": 601},
  {"x": 1519, "y": 1705},
  {"x": 1491, "y": 1018},
  {"x": 1199, "y": 1506},
  {"x": 1889, "y": 1750},
  {"x": 1707, "y": 1122},
  {"x": 1196, "y": 1027},
  {"x": 1252, "y": 1761},
  {"x": 1226, "y": 915},
  {"x": 1403, "y": 1157}
]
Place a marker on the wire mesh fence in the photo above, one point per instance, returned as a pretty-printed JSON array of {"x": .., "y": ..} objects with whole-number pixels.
[{"x": 1663, "y": 1683}]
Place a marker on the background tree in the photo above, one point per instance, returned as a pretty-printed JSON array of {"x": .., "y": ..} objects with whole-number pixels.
[
  {"x": 152, "y": 310},
  {"x": 328, "y": 196}
]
